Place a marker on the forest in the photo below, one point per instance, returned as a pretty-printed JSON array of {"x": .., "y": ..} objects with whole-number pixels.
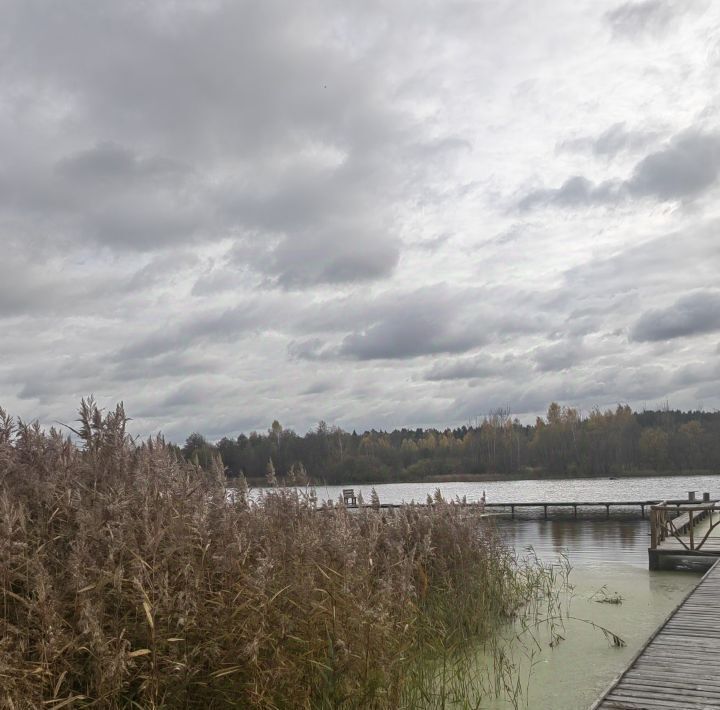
[{"x": 564, "y": 443}]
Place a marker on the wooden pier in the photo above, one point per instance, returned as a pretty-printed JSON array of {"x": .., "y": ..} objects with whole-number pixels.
[
  {"x": 548, "y": 505},
  {"x": 683, "y": 530},
  {"x": 679, "y": 666}
]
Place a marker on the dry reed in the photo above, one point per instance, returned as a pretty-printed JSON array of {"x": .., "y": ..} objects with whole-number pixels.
[{"x": 129, "y": 578}]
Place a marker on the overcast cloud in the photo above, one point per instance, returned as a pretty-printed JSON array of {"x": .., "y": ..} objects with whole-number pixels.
[{"x": 376, "y": 214}]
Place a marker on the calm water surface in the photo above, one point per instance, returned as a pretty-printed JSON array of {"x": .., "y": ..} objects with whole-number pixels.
[{"x": 603, "y": 553}]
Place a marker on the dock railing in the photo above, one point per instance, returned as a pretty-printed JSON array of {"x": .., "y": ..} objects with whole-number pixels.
[{"x": 677, "y": 520}]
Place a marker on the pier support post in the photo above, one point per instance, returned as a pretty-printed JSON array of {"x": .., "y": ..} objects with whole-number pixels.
[
  {"x": 656, "y": 522},
  {"x": 691, "y": 525},
  {"x": 607, "y": 506},
  {"x": 575, "y": 510},
  {"x": 512, "y": 511},
  {"x": 642, "y": 511},
  {"x": 653, "y": 559},
  {"x": 545, "y": 511}
]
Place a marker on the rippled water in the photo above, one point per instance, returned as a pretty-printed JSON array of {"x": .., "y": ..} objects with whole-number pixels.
[{"x": 557, "y": 490}]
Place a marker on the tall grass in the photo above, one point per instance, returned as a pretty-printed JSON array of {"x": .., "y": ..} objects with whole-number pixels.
[{"x": 129, "y": 578}]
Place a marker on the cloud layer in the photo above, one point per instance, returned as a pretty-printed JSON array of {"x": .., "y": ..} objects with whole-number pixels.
[{"x": 375, "y": 214}]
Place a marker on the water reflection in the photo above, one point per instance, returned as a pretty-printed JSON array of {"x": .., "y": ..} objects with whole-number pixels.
[
  {"x": 564, "y": 534},
  {"x": 615, "y": 541},
  {"x": 628, "y": 535}
]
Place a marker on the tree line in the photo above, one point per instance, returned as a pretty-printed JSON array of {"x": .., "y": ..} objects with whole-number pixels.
[{"x": 565, "y": 442}]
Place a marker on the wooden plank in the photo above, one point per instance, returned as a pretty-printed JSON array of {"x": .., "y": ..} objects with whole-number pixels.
[
  {"x": 655, "y": 681},
  {"x": 679, "y": 665}
]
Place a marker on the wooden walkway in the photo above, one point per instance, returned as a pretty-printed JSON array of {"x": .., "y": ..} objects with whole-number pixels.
[
  {"x": 689, "y": 531},
  {"x": 642, "y": 504},
  {"x": 503, "y": 506},
  {"x": 679, "y": 667}
]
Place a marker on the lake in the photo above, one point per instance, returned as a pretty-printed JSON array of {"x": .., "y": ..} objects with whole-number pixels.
[{"x": 610, "y": 553}]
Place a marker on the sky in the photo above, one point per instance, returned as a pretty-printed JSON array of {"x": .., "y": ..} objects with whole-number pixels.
[{"x": 378, "y": 214}]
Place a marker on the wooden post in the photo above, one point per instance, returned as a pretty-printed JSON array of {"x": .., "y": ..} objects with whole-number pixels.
[
  {"x": 545, "y": 511},
  {"x": 607, "y": 505},
  {"x": 512, "y": 511},
  {"x": 642, "y": 511},
  {"x": 575, "y": 510},
  {"x": 690, "y": 523},
  {"x": 653, "y": 529}
]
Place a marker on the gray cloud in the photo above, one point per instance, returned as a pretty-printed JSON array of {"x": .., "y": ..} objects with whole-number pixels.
[
  {"x": 682, "y": 170},
  {"x": 344, "y": 254},
  {"x": 307, "y": 155},
  {"x": 434, "y": 243},
  {"x": 633, "y": 18},
  {"x": 23, "y": 287},
  {"x": 575, "y": 192},
  {"x": 559, "y": 356},
  {"x": 685, "y": 168},
  {"x": 695, "y": 373},
  {"x": 319, "y": 228},
  {"x": 112, "y": 162},
  {"x": 438, "y": 319},
  {"x": 172, "y": 365},
  {"x": 35, "y": 283},
  {"x": 313, "y": 349},
  {"x": 613, "y": 140},
  {"x": 223, "y": 326},
  {"x": 651, "y": 265},
  {"x": 195, "y": 392},
  {"x": 141, "y": 224},
  {"x": 694, "y": 314},
  {"x": 479, "y": 367},
  {"x": 409, "y": 335},
  {"x": 433, "y": 319},
  {"x": 319, "y": 387}
]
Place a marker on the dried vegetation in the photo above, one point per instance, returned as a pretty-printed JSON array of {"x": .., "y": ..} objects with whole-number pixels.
[{"x": 129, "y": 578}]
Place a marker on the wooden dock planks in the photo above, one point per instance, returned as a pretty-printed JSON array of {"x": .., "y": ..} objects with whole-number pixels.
[{"x": 679, "y": 667}]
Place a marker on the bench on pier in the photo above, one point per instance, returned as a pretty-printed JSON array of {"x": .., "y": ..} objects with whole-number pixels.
[
  {"x": 349, "y": 497},
  {"x": 681, "y": 523}
]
